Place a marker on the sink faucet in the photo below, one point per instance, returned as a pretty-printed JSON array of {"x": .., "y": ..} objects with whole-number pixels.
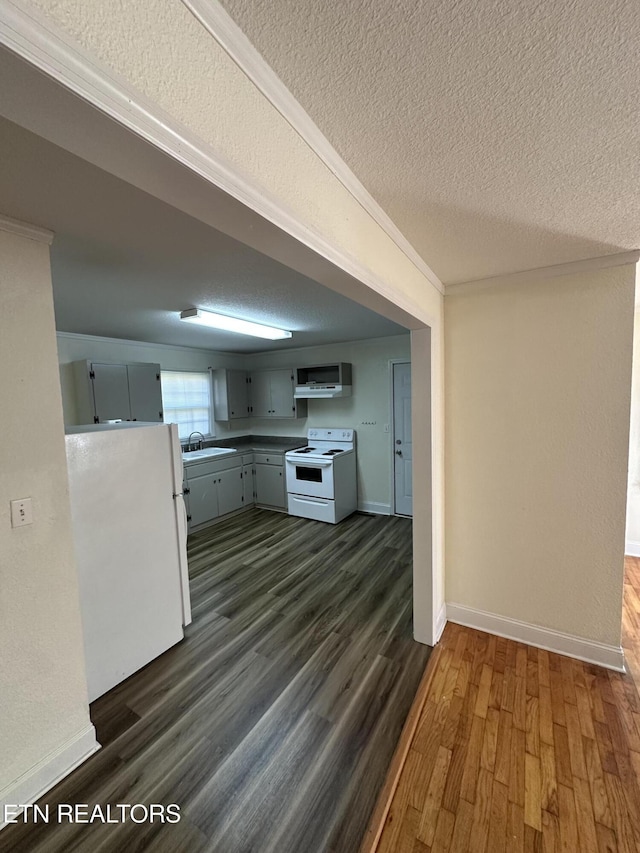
[{"x": 200, "y": 443}]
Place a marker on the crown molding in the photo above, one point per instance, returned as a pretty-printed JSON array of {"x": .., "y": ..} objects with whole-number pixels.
[
  {"x": 349, "y": 343},
  {"x": 221, "y": 26},
  {"x": 26, "y": 229},
  {"x": 527, "y": 276},
  {"x": 33, "y": 37},
  {"x": 128, "y": 342}
]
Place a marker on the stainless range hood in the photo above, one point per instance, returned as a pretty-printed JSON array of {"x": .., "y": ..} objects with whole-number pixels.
[
  {"x": 323, "y": 381},
  {"x": 321, "y": 392}
]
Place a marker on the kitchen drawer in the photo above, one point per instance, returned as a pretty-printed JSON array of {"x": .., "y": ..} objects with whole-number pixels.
[
  {"x": 202, "y": 469},
  {"x": 247, "y": 458},
  {"x": 268, "y": 458}
]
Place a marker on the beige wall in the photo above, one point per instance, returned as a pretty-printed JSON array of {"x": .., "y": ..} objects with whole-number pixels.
[
  {"x": 633, "y": 484},
  {"x": 43, "y": 697},
  {"x": 537, "y": 410}
]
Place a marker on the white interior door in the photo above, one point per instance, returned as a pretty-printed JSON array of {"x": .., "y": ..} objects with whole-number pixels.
[{"x": 402, "y": 448}]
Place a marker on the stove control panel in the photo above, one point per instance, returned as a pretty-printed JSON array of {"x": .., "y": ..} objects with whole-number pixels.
[{"x": 337, "y": 434}]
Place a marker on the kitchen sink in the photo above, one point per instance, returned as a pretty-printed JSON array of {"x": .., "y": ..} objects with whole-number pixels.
[{"x": 207, "y": 451}]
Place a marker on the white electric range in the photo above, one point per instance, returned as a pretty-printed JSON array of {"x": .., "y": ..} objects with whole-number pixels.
[{"x": 321, "y": 477}]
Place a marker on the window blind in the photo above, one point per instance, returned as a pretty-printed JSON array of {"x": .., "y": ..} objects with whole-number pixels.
[{"x": 186, "y": 401}]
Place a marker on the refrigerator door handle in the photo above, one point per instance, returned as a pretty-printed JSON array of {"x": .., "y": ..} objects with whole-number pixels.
[{"x": 181, "y": 522}]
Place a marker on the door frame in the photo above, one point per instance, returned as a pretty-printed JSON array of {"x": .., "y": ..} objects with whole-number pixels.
[
  {"x": 158, "y": 154},
  {"x": 392, "y": 478}
]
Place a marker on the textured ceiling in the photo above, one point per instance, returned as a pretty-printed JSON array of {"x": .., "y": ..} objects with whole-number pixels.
[
  {"x": 125, "y": 264},
  {"x": 499, "y": 136}
]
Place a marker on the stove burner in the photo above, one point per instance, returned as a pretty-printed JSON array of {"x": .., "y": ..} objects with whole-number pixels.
[
  {"x": 332, "y": 452},
  {"x": 306, "y": 450}
]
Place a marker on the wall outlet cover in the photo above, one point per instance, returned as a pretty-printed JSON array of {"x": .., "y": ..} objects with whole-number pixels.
[{"x": 21, "y": 512}]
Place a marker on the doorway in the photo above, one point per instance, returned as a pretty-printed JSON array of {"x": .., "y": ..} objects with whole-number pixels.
[
  {"x": 402, "y": 456},
  {"x": 237, "y": 210}
]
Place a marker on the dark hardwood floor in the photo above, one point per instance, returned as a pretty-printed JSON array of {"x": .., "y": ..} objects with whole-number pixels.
[{"x": 273, "y": 723}]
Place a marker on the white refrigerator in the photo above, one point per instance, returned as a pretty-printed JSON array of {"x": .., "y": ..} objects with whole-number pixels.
[{"x": 130, "y": 533}]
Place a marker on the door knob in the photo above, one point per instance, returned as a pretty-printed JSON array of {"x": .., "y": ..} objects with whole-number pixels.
[{"x": 398, "y": 453}]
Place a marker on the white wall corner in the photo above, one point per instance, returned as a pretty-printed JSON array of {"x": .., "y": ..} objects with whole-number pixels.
[
  {"x": 631, "y": 549},
  {"x": 26, "y": 229},
  {"x": 590, "y": 651},
  {"x": 40, "y": 778}
]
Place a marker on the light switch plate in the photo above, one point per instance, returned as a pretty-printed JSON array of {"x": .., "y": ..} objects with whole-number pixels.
[{"x": 21, "y": 512}]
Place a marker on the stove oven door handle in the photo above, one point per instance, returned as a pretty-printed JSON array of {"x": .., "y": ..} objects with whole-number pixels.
[{"x": 309, "y": 463}]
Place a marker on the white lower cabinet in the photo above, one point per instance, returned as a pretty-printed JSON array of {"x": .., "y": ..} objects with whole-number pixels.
[
  {"x": 270, "y": 486},
  {"x": 203, "y": 499},
  {"x": 247, "y": 481},
  {"x": 230, "y": 490},
  {"x": 213, "y": 488}
]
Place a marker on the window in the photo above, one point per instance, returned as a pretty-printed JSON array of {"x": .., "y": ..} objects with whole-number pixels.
[{"x": 186, "y": 401}]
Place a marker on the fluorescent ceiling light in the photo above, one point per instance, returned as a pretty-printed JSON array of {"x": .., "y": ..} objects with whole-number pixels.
[{"x": 232, "y": 324}]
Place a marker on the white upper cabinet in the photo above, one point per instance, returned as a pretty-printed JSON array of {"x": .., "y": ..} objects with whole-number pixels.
[
  {"x": 272, "y": 395},
  {"x": 128, "y": 392},
  {"x": 260, "y": 391},
  {"x": 110, "y": 387},
  {"x": 230, "y": 394},
  {"x": 145, "y": 392}
]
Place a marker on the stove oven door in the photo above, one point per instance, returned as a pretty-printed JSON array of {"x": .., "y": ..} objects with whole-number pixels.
[{"x": 311, "y": 477}]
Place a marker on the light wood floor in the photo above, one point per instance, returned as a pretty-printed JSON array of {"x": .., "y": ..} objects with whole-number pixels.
[
  {"x": 273, "y": 723},
  {"x": 518, "y": 749}
]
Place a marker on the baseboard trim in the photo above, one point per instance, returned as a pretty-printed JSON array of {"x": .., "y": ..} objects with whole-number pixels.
[
  {"x": 441, "y": 621},
  {"x": 632, "y": 549},
  {"x": 590, "y": 651},
  {"x": 40, "y": 778},
  {"x": 374, "y": 508}
]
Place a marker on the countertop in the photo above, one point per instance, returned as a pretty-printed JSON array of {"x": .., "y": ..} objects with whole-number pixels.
[{"x": 261, "y": 443}]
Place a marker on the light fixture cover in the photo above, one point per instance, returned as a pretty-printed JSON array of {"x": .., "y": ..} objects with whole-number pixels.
[{"x": 232, "y": 324}]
